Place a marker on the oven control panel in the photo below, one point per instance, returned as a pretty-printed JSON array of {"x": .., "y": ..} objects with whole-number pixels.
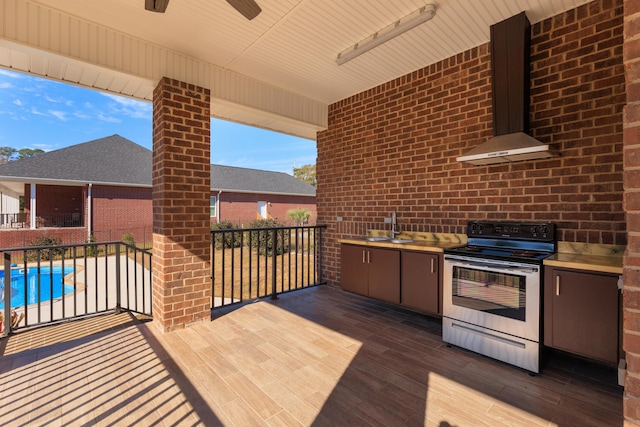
[{"x": 511, "y": 230}]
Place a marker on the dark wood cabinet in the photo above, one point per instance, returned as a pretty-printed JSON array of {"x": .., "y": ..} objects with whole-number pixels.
[
  {"x": 384, "y": 274},
  {"x": 354, "y": 269},
  {"x": 581, "y": 313},
  {"x": 372, "y": 272},
  {"x": 420, "y": 283}
]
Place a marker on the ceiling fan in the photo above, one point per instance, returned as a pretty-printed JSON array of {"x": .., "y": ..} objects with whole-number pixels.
[{"x": 248, "y": 8}]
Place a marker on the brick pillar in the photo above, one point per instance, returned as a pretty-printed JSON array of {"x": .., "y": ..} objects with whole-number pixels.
[
  {"x": 181, "y": 186},
  {"x": 631, "y": 295}
]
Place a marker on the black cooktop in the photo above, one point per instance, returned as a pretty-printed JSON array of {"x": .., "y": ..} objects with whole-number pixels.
[{"x": 509, "y": 241}]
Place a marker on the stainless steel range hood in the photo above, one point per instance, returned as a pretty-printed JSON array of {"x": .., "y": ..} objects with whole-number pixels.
[
  {"x": 510, "y": 47},
  {"x": 512, "y": 147}
]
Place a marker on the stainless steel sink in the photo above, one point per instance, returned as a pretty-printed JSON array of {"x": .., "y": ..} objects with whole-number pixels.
[
  {"x": 401, "y": 240},
  {"x": 377, "y": 239}
]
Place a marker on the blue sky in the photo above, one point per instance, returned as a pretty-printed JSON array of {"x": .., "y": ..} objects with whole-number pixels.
[{"x": 45, "y": 114}]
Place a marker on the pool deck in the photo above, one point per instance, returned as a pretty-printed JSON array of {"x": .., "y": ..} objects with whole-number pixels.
[{"x": 95, "y": 291}]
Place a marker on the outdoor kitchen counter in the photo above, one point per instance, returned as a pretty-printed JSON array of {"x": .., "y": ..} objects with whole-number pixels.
[
  {"x": 588, "y": 257},
  {"x": 427, "y": 242}
]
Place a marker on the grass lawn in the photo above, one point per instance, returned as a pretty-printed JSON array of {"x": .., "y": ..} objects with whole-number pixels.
[{"x": 248, "y": 275}]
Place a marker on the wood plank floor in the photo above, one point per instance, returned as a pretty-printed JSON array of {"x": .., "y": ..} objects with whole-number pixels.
[{"x": 318, "y": 357}]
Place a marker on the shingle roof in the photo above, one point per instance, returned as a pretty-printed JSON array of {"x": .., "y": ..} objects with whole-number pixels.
[
  {"x": 119, "y": 161},
  {"x": 230, "y": 178},
  {"x": 110, "y": 160}
]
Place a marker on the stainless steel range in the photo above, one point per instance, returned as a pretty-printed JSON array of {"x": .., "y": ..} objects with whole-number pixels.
[{"x": 492, "y": 290}]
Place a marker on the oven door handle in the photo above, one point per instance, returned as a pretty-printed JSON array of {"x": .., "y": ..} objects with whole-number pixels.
[{"x": 493, "y": 265}]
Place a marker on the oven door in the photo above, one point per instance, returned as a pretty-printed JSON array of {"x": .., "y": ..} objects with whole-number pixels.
[{"x": 499, "y": 295}]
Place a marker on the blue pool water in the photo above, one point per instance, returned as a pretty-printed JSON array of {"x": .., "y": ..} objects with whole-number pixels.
[{"x": 33, "y": 295}]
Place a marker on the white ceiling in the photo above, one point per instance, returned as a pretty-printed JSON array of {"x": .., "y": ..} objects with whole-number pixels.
[{"x": 292, "y": 45}]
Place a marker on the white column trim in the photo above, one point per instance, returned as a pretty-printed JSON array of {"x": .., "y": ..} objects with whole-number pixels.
[{"x": 33, "y": 206}]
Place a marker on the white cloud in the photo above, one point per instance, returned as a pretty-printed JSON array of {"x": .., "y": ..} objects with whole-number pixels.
[
  {"x": 43, "y": 147},
  {"x": 60, "y": 115},
  {"x": 108, "y": 119},
  {"x": 17, "y": 102},
  {"x": 130, "y": 107},
  {"x": 11, "y": 74},
  {"x": 5, "y": 85},
  {"x": 36, "y": 112},
  {"x": 81, "y": 116}
]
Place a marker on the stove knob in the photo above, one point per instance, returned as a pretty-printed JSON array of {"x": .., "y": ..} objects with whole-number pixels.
[{"x": 534, "y": 231}]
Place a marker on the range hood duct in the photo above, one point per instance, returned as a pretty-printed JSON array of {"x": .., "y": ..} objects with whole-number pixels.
[{"x": 510, "y": 46}]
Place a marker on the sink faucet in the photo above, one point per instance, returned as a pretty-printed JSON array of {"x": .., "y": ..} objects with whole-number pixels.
[{"x": 395, "y": 230}]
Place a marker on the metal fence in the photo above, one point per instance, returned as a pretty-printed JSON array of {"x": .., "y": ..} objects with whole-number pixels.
[
  {"x": 251, "y": 263},
  {"x": 13, "y": 220},
  {"x": 58, "y": 220},
  {"x": 49, "y": 284}
]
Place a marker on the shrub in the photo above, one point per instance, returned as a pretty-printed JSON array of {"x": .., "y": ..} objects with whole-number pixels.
[
  {"x": 91, "y": 250},
  {"x": 128, "y": 238},
  {"x": 262, "y": 240},
  {"x": 299, "y": 215},
  {"x": 232, "y": 239},
  {"x": 47, "y": 253}
]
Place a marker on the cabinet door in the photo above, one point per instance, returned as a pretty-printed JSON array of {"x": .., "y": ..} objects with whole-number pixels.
[
  {"x": 419, "y": 283},
  {"x": 384, "y": 274},
  {"x": 354, "y": 269},
  {"x": 581, "y": 313}
]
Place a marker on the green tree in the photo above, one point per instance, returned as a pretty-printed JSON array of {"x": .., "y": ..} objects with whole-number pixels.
[
  {"x": 306, "y": 173},
  {"x": 24, "y": 153},
  {"x": 299, "y": 215},
  {"x": 6, "y": 154}
]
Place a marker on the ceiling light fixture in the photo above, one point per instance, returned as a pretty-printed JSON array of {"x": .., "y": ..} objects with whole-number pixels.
[{"x": 403, "y": 25}]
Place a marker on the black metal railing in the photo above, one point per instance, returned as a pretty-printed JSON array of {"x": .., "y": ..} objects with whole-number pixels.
[
  {"x": 59, "y": 220},
  {"x": 49, "y": 284},
  {"x": 13, "y": 220},
  {"x": 23, "y": 220},
  {"x": 251, "y": 263}
]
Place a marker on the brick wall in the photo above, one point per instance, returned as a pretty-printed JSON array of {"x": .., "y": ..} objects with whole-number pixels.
[
  {"x": 52, "y": 199},
  {"x": 394, "y": 146},
  {"x": 181, "y": 186},
  {"x": 120, "y": 210},
  {"x": 18, "y": 238},
  {"x": 242, "y": 208},
  {"x": 631, "y": 295}
]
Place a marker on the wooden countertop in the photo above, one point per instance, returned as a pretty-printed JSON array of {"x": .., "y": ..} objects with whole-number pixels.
[
  {"x": 588, "y": 257},
  {"x": 580, "y": 256},
  {"x": 427, "y": 242}
]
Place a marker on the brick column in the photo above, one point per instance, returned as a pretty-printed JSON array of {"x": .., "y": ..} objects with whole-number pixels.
[
  {"x": 631, "y": 296},
  {"x": 181, "y": 186}
]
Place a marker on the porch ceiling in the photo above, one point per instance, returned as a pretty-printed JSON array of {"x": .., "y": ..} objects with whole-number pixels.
[{"x": 277, "y": 71}]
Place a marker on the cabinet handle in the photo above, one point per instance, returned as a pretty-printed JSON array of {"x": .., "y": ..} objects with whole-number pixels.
[
  {"x": 431, "y": 265},
  {"x": 363, "y": 257},
  {"x": 368, "y": 257},
  {"x": 557, "y": 285}
]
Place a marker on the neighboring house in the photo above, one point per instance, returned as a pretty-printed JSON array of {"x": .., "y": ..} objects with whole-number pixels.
[
  {"x": 241, "y": 195},
  {"x": 102, "y": 188}
]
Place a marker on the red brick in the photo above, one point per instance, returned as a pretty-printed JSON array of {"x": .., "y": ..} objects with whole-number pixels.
[
  {"x": 362, "y": 162},
  {"x": 178, "y": 200}
]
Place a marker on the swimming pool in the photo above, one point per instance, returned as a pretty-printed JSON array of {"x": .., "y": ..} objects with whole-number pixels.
[{"x": 46, "y": 276}]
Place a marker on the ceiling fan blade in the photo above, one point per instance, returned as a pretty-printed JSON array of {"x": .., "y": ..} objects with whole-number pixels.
[
  {"x": 248, "y": 8},
  {"x": 156, "y": 5}
]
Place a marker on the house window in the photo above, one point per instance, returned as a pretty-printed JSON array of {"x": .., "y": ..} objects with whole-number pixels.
[{"x": 212, "y": 206}]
